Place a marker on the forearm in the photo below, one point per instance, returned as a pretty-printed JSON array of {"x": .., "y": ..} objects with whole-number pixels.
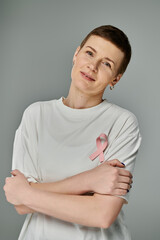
[
  {"x": 85, "y": 210},
  {"x": 76, "y": 185},
  {"x": 102, "y": 179}
]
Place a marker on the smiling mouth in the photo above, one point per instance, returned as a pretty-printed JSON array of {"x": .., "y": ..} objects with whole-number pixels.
[{"x": 86, "y": 76}]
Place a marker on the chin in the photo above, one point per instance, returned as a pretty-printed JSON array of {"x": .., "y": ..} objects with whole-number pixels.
[{"x": 82, "y": 85}]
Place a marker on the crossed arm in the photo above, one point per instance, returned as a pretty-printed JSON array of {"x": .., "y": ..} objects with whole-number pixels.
[{"x": 65, "y": 200}]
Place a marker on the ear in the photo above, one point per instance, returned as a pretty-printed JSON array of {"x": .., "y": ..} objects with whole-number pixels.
[
  {"x": 116, "y": 80},
  {"x": 76, "y": 53}
]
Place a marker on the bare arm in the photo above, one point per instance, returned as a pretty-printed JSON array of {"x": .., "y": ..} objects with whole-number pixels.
[
  {"x": 95, "y": 211},
  {"x": 107, "y": 178},
  {"x": 117, "y": 182}
]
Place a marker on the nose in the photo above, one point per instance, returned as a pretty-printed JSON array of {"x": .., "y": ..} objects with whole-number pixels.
[{"x": 93, "y": 66}]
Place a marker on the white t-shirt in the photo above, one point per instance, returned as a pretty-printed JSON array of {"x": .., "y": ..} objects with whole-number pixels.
[{"x": 54, "y": 142}]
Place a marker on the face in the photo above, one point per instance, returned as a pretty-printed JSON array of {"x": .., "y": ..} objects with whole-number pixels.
[{"x": 96, "y": 65}]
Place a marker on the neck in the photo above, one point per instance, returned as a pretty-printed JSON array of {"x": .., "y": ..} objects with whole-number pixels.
[{"x": 79, "y": 100}]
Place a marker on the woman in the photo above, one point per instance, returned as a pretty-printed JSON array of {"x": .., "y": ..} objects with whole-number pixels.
[{"x": 74, "y": 156}]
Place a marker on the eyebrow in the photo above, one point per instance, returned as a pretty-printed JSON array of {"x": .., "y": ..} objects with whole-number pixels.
[{"x": 104, "y": 58}]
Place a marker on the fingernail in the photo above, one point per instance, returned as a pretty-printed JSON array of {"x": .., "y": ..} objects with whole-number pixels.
[{"x": 123, "y": 163}]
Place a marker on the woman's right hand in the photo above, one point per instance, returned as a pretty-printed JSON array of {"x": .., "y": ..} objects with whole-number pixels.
[{"x": 110, "y": 178}]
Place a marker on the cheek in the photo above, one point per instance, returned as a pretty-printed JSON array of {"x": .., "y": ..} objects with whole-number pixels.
[
  {"x": 74, "y": 71},
  {"x": 105, "y": 76},
  {"x": 106, "y": 71},
  {"x": 104, "y": 79},
  {"x": 78, "y": 65},
  {"x": 80, "y": 61}
]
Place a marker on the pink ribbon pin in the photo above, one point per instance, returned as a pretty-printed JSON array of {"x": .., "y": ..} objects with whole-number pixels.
[{"x": 100, "y": 148}]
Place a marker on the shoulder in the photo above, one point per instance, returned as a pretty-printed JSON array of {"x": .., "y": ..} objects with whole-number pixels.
[
  {"x": 124, "y": 121},
  {"x": 124, "y": 115},
  {"x": 36, "y": 107},
  {"x": 35, "y": 110}
]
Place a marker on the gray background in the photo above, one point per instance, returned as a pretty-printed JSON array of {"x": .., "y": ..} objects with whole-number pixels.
[{"x": 37, "y": 42}]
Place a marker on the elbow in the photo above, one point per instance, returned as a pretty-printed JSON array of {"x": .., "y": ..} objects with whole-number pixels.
[
  {"x": 101, "y": 221},
  {"x": 107, "y": 211},
  {"x": 106, "y": 221},
  {"x": 21, "y": 213},
  {"x": 20, "y": 210},
  {"x": 105, "y": 224}
]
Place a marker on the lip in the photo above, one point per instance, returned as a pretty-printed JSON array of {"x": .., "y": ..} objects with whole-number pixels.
[{"x": 87, "y": 76}]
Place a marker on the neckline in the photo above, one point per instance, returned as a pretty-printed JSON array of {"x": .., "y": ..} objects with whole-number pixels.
[
  {"x": 79, "y": 114},
  {"x": 62, "y": 98}
]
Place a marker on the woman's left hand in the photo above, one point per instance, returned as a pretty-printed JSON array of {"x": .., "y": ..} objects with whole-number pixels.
[{"x": 16, "y": 188}]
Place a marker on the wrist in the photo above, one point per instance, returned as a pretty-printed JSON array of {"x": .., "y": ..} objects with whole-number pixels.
[
  {"x": 33, "y": 184},
  {"x": 88, "y": 181},
  {"x": 28, "y": 195}
]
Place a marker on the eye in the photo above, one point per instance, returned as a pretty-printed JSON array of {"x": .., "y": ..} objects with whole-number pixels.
[
  {"x": 107, "y": 64},
  {"x": 89, "y": 53}
]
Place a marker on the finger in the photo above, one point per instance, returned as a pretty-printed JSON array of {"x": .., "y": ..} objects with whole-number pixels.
[
  {"x": 124, "y": 172},
  {"x": 120, "y": 192},
  {"x": 124, "y": 186},
  {"x": 15, "y": 172},
  {"x": 116, "y": 163},
  {"x": 123, "y": 179},
  {"x": 7, "y": 179}
]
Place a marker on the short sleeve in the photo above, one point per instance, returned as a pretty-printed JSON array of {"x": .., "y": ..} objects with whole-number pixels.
[
  {"x": 24, "y": 157},
  {"x": 126, "y": 145}
]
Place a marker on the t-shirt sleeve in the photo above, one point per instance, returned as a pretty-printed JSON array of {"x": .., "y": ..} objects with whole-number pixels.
[
  {"x": 24, "y": 157},
  {"x": 125, "y": 146}
]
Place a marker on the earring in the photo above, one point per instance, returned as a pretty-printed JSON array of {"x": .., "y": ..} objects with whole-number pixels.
[{"x": 111, "y": 88}]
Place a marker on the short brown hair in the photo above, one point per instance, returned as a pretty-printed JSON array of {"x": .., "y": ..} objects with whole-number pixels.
[{"x": 115, "y": 36}]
